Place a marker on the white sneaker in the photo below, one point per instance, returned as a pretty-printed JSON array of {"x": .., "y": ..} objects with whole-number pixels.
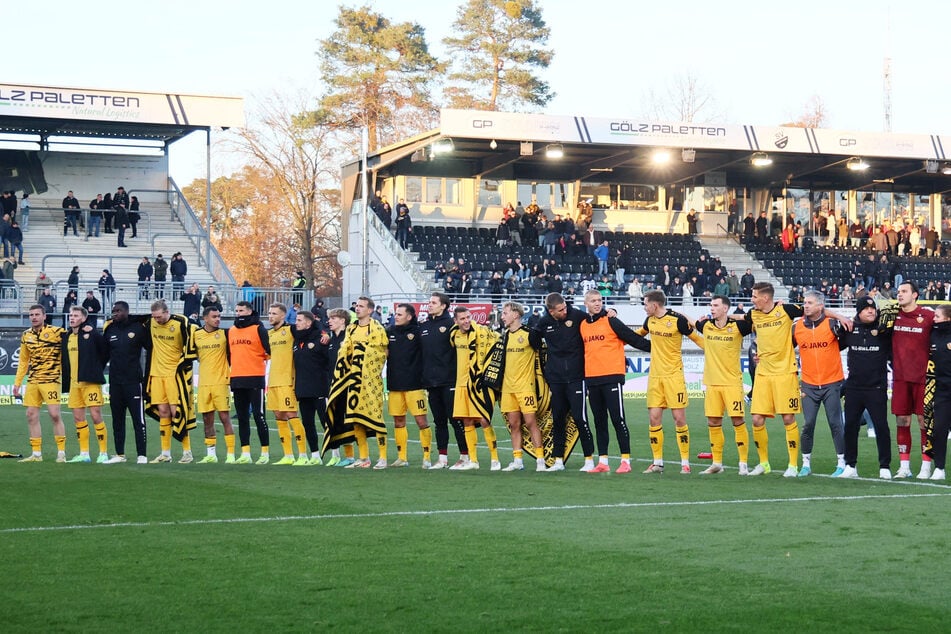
[
  {"x": 714, "y": 468},
  {"x": 541, "y": 466},
  {"x": 849, "y": 472},
  {"x": 514, "y": 466},
  {"x": 925, "y": 472},
  {"x": 588, "y": 466},
  {"x": 496, "y": 466},
  {"x": 460, "y": 465},
  {"x": 791, "y": 472},
  {"x": 427, "y": 464},
  {"x": 469, "y": 466},
  {"x": 115, "y": 460},
  {"x": 439, "y": 464},
  {"x": 884, "y": 474},
  {"x": 380, "y": 464},
  {"x": 744, "y": 469},
  {"x": 141, "y": 460},
  {"x": 903, "y": 472},
  {"x": 186, "y": 458},
  {"x": 760, "y": 469},
  {"x": 556, "y": 467},
  {"x": 938, "y": 474},
  {"x": 871, "y": 432}
]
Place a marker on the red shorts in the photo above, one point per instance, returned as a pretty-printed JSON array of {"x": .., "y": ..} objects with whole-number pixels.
[{"x": 908, "y": 398}]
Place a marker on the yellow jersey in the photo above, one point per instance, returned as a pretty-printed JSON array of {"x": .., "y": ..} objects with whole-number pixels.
[
  {"x": 462, "y": 341},
  {"x": 168, "y": 346},
  {"x": 281, "y": 372},
  {"x": 520, "y": 359},
  {"x": 666, "y": 335},
  {"x": 72, "y": 348},
  {"x": 722, "y": 348},
  {"x": 41, "y": 355},
  {"x": 774, "y": 343},
  {"x": 212, "y": 347}
]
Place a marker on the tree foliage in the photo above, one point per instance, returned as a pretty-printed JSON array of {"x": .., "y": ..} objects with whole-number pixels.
[
  {"x": 497, "y": 48},
  {"x": 685, "y": 98},
  {"x": 377, "y": 72},
  {"x": 281, "y": 212},
  {"x": 813, "y": 115}
]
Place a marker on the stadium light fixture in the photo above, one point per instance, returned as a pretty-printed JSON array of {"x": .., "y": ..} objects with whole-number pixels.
[
  {"x": 555, "y": 151},
  {"x": 443, "y": 146},
  {"x": 856, "y": 164},
  {"x": 946, "y": 170},
  {"x": 661, "y": 157},
  {"x": 760, "y": 159},
  {"x": 493, "y": 144}
]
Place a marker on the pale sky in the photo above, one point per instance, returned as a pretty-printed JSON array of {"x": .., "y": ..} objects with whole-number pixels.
[{"x": 760, "y": 61}]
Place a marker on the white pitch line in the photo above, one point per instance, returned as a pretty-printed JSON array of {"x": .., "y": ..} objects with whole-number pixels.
[{"x": 435, "y": 513}]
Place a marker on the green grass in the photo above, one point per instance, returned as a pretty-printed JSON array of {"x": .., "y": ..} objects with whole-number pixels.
[{"x": 174, "y": 547}]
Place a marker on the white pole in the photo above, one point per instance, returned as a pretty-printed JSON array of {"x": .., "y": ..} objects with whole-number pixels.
[{"x": 365, "y": 287}]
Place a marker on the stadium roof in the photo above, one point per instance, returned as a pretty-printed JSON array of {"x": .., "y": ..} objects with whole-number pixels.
[
  {"x": 93, "y": 114},
  {"x": 508, "y": 146}
]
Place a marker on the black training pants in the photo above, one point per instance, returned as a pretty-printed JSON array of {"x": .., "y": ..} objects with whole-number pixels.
[
  {"x": 440, "y": 404},
  {"x": 249, "y": 401},
  {"x": 858, "y": 400},
  {"x": 569, "y": 397},
  {"x": 607, "y": 399},
  {"x": 125, "y": 397}
]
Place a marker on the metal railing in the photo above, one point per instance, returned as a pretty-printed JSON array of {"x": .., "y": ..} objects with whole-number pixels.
[{"x": 186, "y": 215}]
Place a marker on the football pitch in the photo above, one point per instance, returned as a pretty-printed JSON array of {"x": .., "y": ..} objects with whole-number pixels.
[{"x": 212, "y": 548}]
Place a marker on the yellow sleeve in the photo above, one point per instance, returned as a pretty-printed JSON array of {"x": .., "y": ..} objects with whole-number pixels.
[
  {"x": 697, "y": 338},
  {"x": 23, "y": 364}
]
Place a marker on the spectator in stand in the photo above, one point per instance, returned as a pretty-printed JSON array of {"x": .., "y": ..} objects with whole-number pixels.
[
  {"x": 676, "y": 292},
  {"x": 25, "y": 211},
  {"x": 15, "y": 235},
  {"x": 692, "y": 222},
  {"x": 71, "y": 213},
  {"x": 5, "y": 234},
  {"x": 722, "y": 288},
  {"x": 734, "y": 283},
  {"x": 213, "y": 300},
  {"x": 121, "y": 222},
  {"x": 404, "y": 225},
  {"x": 7, "y": 288},
  {"x": 555, "y": 284},
  {"x": 106, "y": 206},
  {"x": 762, "y": 228},
  {"x": 749, "y": 228},
  {"x": 439, "y": 272},
  {"x": 134, "y": 215},
  {"x": 120, "y": 200},
  {"x": 856, "y": 233},
  {"x": 931, "y": 242},
  {"x": 72, "y": 298},
  {"x": 465, "y": 288},
  {"x": 178, "y": 269},
  {"x": 602, "y": 253},
  {"x": 145, "y": 272},
  {"x": 96, "y": 207},
  {"x": 191, "y": 302},
  {"x": 48, "y": 302},
  {"x": 496, "y": 286},
  {"x": 746, "y": 283},
  {"x": 512, "y": 222},
  {"x": 847, "y": 296},
  {"x": 891, "y": 240},
  {"x": 663, "y": 279},
  {"x": 842, "y": 231},
  {"x": 8, "y": 204},
  {"x": 635, "y": 292},
  {"x": 386, "y": 214},
  {"x": 107, "y": 287},
  {"x": 879, "y": 241},
  {"x": 93, "y": 307},
  {"x": 42, "y": 281},
  {"x": 552, "y": 236},
  {"x": 688, "y": 292},
  {"x": 160, "y": 268}
]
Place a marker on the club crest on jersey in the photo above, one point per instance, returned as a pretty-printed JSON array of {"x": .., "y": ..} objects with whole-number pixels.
[
  {"x": 310, "y": 345},
  {"x": 442, "y": 329},
  {"x": 131, "y": 335},
  {"x": 86, "y": 336},
  {"x": 920, "y": 319},
  {"x": 410, "y": 336},
  {"x": 949, "y": 345},
  {"x": 171, "y": 328},
  {"x": 874, "y": 333},
  {"x": 568, "y": 323},
  {"x": 217, "y": 335},
  {"x": 668, "y": 323},
  {"x": 521, "y": 339}
]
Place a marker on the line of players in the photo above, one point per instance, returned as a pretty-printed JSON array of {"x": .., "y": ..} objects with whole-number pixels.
[{"x": 443, "y": 361}]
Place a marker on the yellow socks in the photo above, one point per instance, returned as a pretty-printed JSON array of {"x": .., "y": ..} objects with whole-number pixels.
[
  {"x": 381, "y": 444},
  {"x": 656, "y": 435},
  {"x": 284, "y": 433},
  {"x": 517, "y": 454},
  {"x": 472, "y": 443},
  {"x": 742, "y": 441},
  {"x": 426, "y": 440},
  {"x": 348, "y": 449},
  {"x": 36, "y": 444},
  {"x": 186, "y": 442},
  {"x": 716, "y": 444},
  {"x": 60, "y": 442},
  {"x": 402, "y": 437},
  {"x": 165, "y": 434},
  {"x": 761, "y": 438},
  {"x": 102, "y": 437},
  {"x": 82, "y": 433},
  {"x": 792, "y": 443},
  {"x": 229, "y": 444},
  {"x": 298, "y": 427},
  {"x": 210, "y": 446},
  {"x": 683, "y": 443},
  {"x": 492, "y": 441},
  {"x": 360, "y": 433}
]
